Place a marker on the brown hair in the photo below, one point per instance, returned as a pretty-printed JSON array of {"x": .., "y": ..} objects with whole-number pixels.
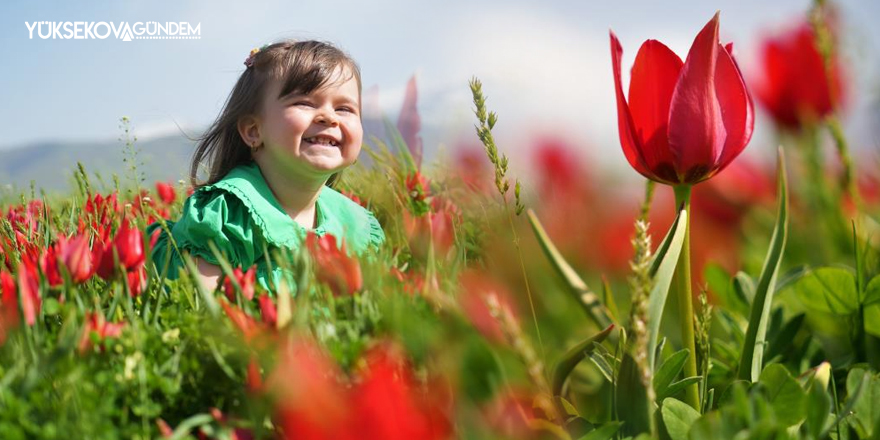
[{"x": 302, "y": 66}]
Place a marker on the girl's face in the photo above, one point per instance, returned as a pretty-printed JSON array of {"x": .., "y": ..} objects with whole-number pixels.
[{"x": 314, "y": 134}]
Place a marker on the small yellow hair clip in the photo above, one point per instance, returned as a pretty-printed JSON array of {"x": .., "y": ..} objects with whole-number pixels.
[{"x": 249, "y": 61}]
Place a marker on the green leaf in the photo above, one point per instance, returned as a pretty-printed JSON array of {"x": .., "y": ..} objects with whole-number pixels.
[
  {"x": 782, "y": 338},
  {"x": 829, "y": 290},
  {"x": 669, "y": 370},
  {"x": 582, "y": 293},
  {"x": 865, "y": 405},
  {"x": 675, "y": 387},
  {"x": 632, "y": 403},
  {"x": 666, "y": 260},
  {"x": 872, "y": 292},
  {"x": 784, "y": 394},
  {"x": 721, "y": 284},
  {"x": 604, "y": 432},
  {"x": 678, "y": 418},
  {"x": 872, "y": 319},
  {"x": 753, "y": 348},
  {"x": 818, "y": 405},
  {"x": 573, "y": 357}
]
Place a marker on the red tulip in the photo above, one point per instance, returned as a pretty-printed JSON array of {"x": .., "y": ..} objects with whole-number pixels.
[
  {"x": 310, "y": 403},
  {"x": 245, "y": 280},
  {"x": 8, "y": 305},
  {"x": 794, "y": 85},
  {"x": 29, "y": 290},
  {"x": 477, "y": 290},
  {"x": 166, "y": 192},
  {"x": 76, "y": 257},
  {"x": 96, "y": 323},
  {"x": 417, "y": 187},
  {"x": 49, "y": 266},
  {"x": 248, "y": 327},
  {"x": 437, "y": 225},
  {"x": 409, "y": 123},
  {"x": 129, "y": 247},
  {"x": 137, "y": 280},
  {"x": 268, "y": 310},
  {"x": 389, "y": 405},
  {"x": 333, "y": 265},
  {"x": 683, "y": 122}
]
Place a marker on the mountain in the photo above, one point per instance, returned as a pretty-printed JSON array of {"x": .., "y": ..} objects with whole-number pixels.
[{"x": 50, "y": 165}]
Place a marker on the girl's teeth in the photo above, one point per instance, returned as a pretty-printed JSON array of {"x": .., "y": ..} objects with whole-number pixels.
[{"x": 321, "y": 141}]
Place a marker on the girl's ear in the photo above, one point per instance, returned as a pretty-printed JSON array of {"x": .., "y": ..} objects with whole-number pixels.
[{"x": 249, "y": 130}]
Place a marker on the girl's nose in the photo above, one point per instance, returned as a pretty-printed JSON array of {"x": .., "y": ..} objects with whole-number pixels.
[{"x": 326, "y": 119}]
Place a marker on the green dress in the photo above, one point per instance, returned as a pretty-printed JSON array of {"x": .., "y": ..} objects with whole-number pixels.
[{"x": 241, "y": 214}]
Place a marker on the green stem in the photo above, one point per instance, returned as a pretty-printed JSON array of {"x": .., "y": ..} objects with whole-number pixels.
[{"x": 685, "y": 298}]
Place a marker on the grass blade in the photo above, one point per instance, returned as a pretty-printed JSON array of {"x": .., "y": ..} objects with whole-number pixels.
[
  {"x": 585, "y": 297},
  {"x": 665, "y": 260},
  {"x": 756, "y": 335}
]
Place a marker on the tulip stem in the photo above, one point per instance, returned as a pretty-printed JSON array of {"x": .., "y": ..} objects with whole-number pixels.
[{"x": 685, "y": 297}]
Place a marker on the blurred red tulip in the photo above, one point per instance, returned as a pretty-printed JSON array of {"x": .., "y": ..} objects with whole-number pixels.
[
  {"x": 413, "y": 282},
  {"x": 477, "y": 290},
  {"x": 248, "y": 327},
  {"x": 417, "y": 187},
  {"x": 129, "y": 247},
  {"x": 137, "y": 280},
  {"x": 310, "y": 404},
  {"x": 560, "y": 173},
  {"x": 29, "y": 290},
  {"x": 334, "y": 266},
  {"x": 245, "y": 280},
  {"x": 409, "y": 123},
  {"x": 438, "y": 225},
  {"x": 8, "y": 305},
  {"x": 793, "y": 84},
  {"x": 729, "y": 196},
  {"x": 26, "y": 218},
  {"x": 353, "y": 197},
  {"x": 684, "y": 122},
  {"x": 49, "y": 266},
  {"x": 254, "y": 380},
  {"x": 473, "y": 167},
  {"x": 166, "y": 192},
  {"x": 95, "y": 323},
  {"x": 268, "y": 310},
  {"x": 76, "y": 257},
  {"x": 388, "y": 404},
  {"x": 509, "y": 414},
  {"x": 102, "y": 210}
]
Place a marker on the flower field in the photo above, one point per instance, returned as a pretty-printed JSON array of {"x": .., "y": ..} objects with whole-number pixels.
[{"x": 724, "y": 298}]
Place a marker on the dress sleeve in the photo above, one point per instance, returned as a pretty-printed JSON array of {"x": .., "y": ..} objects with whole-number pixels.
[
  {"x": 220, "y": 217},
  {"x": 377, "y": 234}
]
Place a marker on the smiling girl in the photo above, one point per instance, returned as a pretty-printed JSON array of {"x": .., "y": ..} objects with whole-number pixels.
[{"x": 290, "y": 125}]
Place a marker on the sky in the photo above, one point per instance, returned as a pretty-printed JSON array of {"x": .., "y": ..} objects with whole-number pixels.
[{"x": 545, "y": 66}]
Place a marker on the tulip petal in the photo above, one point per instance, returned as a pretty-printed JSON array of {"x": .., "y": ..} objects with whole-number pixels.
[
  {"x": 696, "y": 129},
  {"x": 628, "y": 138},
  {"x": 739, "y": 110},
  {"x": 654, "y": 75}
]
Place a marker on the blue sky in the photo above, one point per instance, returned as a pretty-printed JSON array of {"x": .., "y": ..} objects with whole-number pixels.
[{"x": 545, "y": 65}]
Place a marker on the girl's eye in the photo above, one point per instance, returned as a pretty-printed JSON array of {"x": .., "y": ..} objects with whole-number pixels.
[
  {"x": 345, "y": 109},
  {"x": 303, "y": 103}
]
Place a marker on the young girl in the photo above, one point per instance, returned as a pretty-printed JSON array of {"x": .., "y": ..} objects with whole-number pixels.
[{"x": 291, "y": 124}]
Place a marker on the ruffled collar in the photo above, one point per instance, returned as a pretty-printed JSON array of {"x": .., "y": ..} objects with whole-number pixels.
[{"x": 249, "y": 185}]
